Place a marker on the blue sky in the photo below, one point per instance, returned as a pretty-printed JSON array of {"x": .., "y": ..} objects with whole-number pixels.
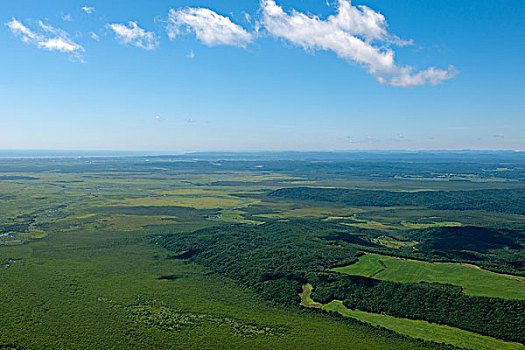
[{"x": 262, "y": 75}]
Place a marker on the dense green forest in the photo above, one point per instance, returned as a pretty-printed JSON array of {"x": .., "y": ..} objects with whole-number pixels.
[
  {"x": 504, "y": 201},
  {"x": 276, "y": 259}
]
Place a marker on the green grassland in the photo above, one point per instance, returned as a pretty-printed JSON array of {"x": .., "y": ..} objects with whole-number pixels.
[
  {"x": 390, "y": 242},
  {"x": 424, "y": 330},
  {"x": 413, "y": 328},
  {"x": 192, "y": 201},
  {"x": 473, "y": 281}
]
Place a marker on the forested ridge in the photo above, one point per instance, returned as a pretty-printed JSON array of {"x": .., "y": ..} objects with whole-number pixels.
[
  {"x": 501, "y": 200},
  {"x": 276, "y": 259}
]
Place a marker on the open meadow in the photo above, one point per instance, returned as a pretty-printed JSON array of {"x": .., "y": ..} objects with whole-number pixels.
[{"x": 472, "y": 280}]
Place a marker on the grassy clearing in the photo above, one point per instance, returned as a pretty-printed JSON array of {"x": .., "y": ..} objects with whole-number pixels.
[
  {"x": 192, "y": 201},
  {"x": 473, "y": 281},
  {"x": 134, "y": 222},
  {"x": 204, "y": 192},
  {"x": 11, "y": 238},
  {"x": 390, "y": 242},
  {"x": 369, "y": 224},
  {"x": 120, "y": 222},
  {"x": 306, "y": 299},
  {"x": 234, "y": 216},
  {"x": 425, "y": 330},
  {"x": 387, "y": 223},
  {"x": 413, "y": 328},
  {"x": 416, "y": 225},
  {"x": 325, "y": 212}
]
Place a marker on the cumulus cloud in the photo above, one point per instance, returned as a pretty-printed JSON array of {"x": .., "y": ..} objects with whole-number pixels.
[
  {"x": 88, "y": 9},
  {"x": 209, "y": 27},
  {"x": 47, "y": 37},
  {"x": 132, "y": 34},
  {"x": 356, "y": 34}
]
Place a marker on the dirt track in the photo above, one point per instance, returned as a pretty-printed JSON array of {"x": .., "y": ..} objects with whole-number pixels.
[{"x": 470, "y": 266}]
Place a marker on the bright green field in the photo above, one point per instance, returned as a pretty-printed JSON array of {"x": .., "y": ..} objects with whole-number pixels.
[
  {"x": 413, "y": 328},
  {"x": 473, "y": 281},
  {"x": 425, "y": 330}
]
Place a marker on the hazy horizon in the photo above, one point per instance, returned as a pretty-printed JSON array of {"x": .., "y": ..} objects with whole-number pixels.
[{"x": 64, "y": 153}]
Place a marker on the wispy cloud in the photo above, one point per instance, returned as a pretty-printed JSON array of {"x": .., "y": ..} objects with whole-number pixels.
[
  {"x": 209, "y": 27},
  {"x": 191, "y": 55},
  {"x": 88, "y": 9},
  {"x": 47, "y": 37},
  {"x": 247, "y": 17},
  {"x": 21, "y": 30},
  {"x": 132, "y": 34},
  {"x": 67, "y": 17},
  {"x": 362, "y": 140},
  {"x": 406, "y": 77},
  {"x": 356, "y": 34},
  {"x": 94, "y": 36}
]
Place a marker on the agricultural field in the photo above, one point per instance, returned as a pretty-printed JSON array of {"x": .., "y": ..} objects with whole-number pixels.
[
  {"x": 414, "y": 328},
  {"x": 424, "y": 330},
  {"x": 473, "y": 280},
  {"x": 188, "y": 252}
]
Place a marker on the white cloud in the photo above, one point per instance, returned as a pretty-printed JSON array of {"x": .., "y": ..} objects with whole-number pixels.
[
  {"x": 50, "y": 29},
  {"x": 17, "y": 28},
  {"x": 356, "y": 34},
  {"x": 191, "y": 55},
  {"x": 47, "y": 37},
  {"x": 209, "y": 27},
  {"x": 405, "y": 77},
  {"x": 59, "y": 44},
  {"x": 134, "y": 35},
  {"x": 67, "y": 17},
  {"x": 88, "y": 9}
]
